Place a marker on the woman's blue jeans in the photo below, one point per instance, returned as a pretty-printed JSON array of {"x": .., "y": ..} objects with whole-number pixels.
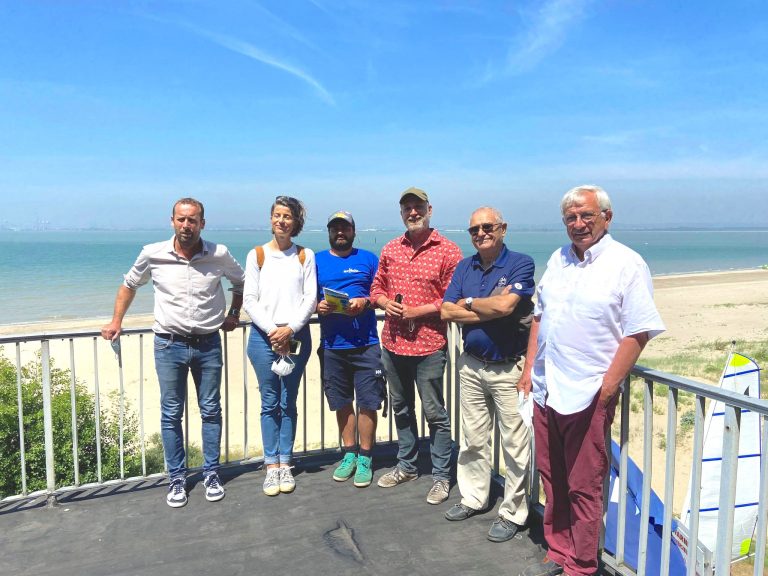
[
  {"x": 174, "y": 360},
  {"x": 278, "y": 394}
]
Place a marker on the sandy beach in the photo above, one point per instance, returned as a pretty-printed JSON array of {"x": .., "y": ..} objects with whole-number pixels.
[{"x": 697, "y": 308}]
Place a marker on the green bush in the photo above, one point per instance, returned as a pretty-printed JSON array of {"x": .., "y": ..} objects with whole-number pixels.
[{"x": 61, "y": 414}]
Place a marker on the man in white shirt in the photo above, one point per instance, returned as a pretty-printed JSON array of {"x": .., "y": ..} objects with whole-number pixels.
[
  {"x": 594, "y": 315},
  {"x": 186, "y": 273}
]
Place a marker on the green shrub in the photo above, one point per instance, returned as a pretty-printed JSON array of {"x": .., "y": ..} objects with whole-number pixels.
[
  {"x": 61, "y": 416},
  {"x": 687, "y": 421}
]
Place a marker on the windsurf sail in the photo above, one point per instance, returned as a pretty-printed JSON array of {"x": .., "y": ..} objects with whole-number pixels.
[{"x": 741, "y": 375}]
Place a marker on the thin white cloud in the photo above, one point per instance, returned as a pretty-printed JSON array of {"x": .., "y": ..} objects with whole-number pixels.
[
  {"x": 286, "y": 29},
  {"x": 547, "y": 30},
  {"x": 259, "y": 55}
]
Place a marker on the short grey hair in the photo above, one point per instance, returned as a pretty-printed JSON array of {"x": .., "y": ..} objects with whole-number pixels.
[
  {"x": 575, "y": 194},
  {"x": 495, "y": 211}
]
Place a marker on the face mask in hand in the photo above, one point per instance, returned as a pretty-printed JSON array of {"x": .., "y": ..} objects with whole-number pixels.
[{"x": 283, "y": 366}]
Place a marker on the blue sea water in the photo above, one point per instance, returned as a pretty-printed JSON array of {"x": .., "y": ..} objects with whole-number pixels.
[{"x": 54, "y": 275}]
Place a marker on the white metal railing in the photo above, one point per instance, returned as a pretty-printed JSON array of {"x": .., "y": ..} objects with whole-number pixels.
[
  {"x": 735, "y": 404},
  {"x": 237, "y": 374}
]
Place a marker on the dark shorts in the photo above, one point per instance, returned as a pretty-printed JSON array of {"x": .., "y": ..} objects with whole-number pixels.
[{"x": 354, "y": 372}]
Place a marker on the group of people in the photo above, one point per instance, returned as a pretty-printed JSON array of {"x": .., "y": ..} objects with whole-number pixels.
[{"x": 570, "y": 353}]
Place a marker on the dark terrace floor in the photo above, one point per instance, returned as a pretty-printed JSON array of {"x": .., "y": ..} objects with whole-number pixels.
[{"x": 325, "y": 527}]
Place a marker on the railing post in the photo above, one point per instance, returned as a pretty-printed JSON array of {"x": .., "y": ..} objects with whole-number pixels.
[
  {"x": 669, "y": 478},
  {"x": 645, "y": 508},
  {"x": 623, "y": 467},
  {"x": 728, "y": 474},
  {"x": 698, "y": 450},
  {"x": 225, "y": 395},
  {"x": 50, "y": 476},
  {"x": 20, "y": 405},
  {"x": 762, "y": 515},
  {"x": 73, "y": 408},
  {"x": 245, "y": 393}
]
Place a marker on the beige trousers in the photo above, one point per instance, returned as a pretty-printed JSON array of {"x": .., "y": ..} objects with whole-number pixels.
[{"x": 488, "y": 390}]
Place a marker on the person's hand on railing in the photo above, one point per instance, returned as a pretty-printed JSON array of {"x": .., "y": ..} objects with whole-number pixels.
[
  {"x": 111, "y": 331},
  {"x": 230, "y": 323}
]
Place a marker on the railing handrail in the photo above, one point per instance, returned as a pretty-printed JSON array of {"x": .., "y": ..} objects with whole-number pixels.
[{"x": 703, "y": 389}]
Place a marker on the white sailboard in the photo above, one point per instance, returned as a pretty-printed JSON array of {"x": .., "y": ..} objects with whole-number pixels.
[{"x": 741, "y": 375}]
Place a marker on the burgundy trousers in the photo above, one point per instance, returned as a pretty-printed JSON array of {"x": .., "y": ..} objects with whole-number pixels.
[{"x": 572, "y": 461}]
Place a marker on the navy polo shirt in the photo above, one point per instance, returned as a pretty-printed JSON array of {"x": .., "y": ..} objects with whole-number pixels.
[{"x": 495, "y": 339}]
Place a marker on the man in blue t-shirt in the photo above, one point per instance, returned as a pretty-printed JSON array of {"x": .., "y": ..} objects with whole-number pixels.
[
  {"x": 350, "y": 356},
  {"x": 489, "y": 295}
]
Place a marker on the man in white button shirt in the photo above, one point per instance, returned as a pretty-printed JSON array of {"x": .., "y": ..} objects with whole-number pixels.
[
  {"x": 594, "y": 315},
  {"x": 190, "y": 305}
]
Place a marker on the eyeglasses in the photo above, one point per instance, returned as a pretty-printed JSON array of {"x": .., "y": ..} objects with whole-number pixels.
[
  {"x": 487, "y": 228},
  {"x": 586, "y": 217}
]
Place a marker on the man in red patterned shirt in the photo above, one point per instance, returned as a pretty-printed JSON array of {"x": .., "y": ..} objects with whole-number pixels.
[{"x": 414, "y": 272}]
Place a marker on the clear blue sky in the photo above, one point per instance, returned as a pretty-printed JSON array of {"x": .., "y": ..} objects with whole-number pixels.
[{"x": 109, "y": 111}]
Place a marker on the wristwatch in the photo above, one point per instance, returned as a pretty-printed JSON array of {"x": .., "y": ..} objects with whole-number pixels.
[
  {"x": 468, "y": 303},
  {"x": 234, "y": 312}
]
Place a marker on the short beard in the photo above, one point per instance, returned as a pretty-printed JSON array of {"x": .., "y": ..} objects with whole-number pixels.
[
  {"x": 419, "y": 226},
  {"x": 341, "y": 245}
]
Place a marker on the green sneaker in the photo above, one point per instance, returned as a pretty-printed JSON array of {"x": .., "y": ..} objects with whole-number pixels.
[
  {"x": 364, "y": 474},
  {"x": 347, "y": 467}
]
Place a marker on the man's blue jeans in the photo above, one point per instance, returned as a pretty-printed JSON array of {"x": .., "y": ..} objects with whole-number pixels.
[
  {"x": 278, "y": 394},
  {"x": 426, "y": 372},
  {"x": 174, "y": 360}
]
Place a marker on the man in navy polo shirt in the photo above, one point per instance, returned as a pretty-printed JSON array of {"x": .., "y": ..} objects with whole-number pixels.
[
  {"x": 350, "y": 354},
  {"x": 489, "y": 294}
]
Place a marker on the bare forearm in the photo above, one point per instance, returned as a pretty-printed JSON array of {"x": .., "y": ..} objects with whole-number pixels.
[
  {"x": 533, "y": 345},
  {"x": 420, "y": 311},
  {"x": 493, "y": 307},
  {"x": 525, "y": 384},
  {"x": 451, "y": 312},
  {"x": 483, "y": 309},
  {"x": 123, "y": 301}
]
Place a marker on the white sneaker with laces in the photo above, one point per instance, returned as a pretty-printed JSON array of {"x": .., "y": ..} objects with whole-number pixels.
[
  {"x": 177, "y": 493},
  {"x": 287, "y": 483},
  {"x": 214, "y": 491},
  {"x": 272, "y": 482}
]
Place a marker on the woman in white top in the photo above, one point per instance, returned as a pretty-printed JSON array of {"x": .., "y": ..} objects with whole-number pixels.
[{"x": 280, "y": 295}]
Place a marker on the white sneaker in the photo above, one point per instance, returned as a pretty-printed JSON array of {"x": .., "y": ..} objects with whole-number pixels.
[
  {"x": 287, "y": 483},
  {"x": 272, "y": 482},
  {"x": 214, "y": 491},
  {"x": 177, "y": 493}
]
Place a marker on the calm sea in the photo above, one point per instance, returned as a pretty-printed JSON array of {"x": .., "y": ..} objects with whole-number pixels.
[{"x": 75, "y": 274}]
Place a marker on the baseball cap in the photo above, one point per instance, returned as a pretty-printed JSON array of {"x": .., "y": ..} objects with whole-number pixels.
[
  {"x": 418, "y": 192},
  {"x": 341, "y": 215}
]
